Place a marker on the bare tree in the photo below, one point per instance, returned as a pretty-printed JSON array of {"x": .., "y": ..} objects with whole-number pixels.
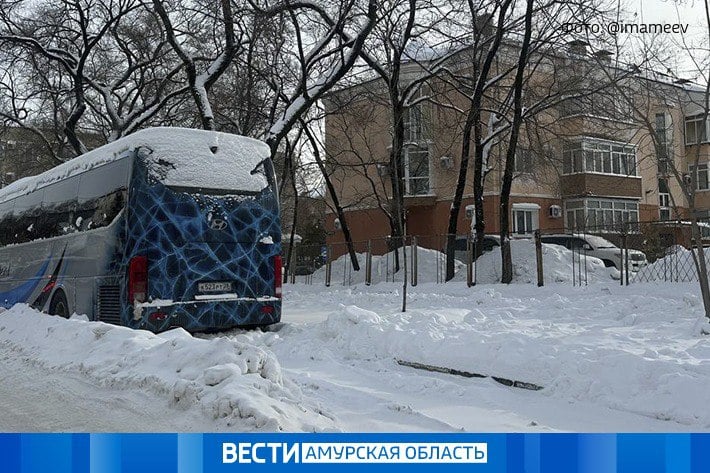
[
  {"x": 65, "y": 33},
  {"x": 85, "y": 68},
  {"x": 507, "y": 261},
  {"x": 489, "y": 21},
  {"x": 187, "y": 40},
  {"x": 666, "y": 91},
  {"x": 327, "y": 39}
]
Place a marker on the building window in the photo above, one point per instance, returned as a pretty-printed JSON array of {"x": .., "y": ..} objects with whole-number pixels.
[
  {"x": 413, "y": 131},
  {"x": 524, "y": 161},
  {"x": 695, "y": 130},
  {"x": 416, "y": 170},
  {"x": 526, "y": 218},
  {"x": 664, "y": 151},
  {"x": 416, "y": 122},
  {"x": 664, "y": 206},
  {"x": 664, "y": 200},
  {"x": 699, "y": 176},
  {"x": 661, "y": 136},
  {"x": 602, "y": 215},
  {"x": 598, "y": 156}
]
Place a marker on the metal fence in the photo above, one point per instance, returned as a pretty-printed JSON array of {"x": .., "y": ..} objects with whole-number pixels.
[
  {"x": 378, "y": 260},
  {"x": 638, "y": 252}
]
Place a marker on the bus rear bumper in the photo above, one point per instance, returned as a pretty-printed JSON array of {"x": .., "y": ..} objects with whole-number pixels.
[{"x": 209, "y": 314}]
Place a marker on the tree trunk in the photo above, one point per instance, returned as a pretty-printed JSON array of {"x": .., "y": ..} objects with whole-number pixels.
[
  {"x": 480, "y": 225},
  {"x": 506, "y": 257},
  {"x": 700, "y": 264},
  {"x": 345, "y": 228},
  {"x": 397, "y": 221},
  {"x": 397, "y": 180},
  {"x": 452, "y": 229},
  {"x": 291, "y": 264},
  {"x": 77, "y": 112}
]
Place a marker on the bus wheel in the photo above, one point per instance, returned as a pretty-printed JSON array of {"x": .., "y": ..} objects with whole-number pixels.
[{"x": 59, "y": 305}]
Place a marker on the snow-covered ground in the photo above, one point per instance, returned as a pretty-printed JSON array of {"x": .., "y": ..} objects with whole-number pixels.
[{"x": 609, "y": 358}]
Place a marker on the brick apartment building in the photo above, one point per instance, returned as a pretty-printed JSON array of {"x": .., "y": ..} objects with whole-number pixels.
[{"x": 583, "y": 163}]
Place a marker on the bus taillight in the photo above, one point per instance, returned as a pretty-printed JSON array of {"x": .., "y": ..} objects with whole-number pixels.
[
  {"x": 138, "y": 279},
  {"x": 278, "y": 275}
]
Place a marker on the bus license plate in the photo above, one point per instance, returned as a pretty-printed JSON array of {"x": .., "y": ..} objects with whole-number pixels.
[{"x": 214, "y": 287}]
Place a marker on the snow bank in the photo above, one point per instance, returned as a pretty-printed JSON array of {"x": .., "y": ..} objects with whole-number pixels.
[
  {"x": 558, "y": 265},
  {"x": 183, "y": 157},
  {"x": 236, "y": 383},
  {"x": 557, "y": 260},
  {"x": 677, "y": 266},
  {"x": 431, "y": 266},
  {"x": 636, "y": 349}
]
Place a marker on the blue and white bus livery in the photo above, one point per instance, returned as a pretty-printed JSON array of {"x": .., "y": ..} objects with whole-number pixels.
[{"x": 166, "y": 227}]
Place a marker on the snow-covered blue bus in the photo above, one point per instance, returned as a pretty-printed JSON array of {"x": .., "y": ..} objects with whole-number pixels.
[{"x": 166, "y": 227}]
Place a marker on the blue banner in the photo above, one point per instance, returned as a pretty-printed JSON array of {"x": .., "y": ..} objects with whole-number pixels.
[{"x": 207, "y": 453}]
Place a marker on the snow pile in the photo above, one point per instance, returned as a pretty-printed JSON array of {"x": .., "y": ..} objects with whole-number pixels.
[
  {"x": 431, "y": 267},
  {"x": 560, "y": 265},
  {"x": 677, "y": 266},
  {"x": 182, "y": 157},
  {"x": 602, "y": 345},
  {"x": 236, "y": 383}
]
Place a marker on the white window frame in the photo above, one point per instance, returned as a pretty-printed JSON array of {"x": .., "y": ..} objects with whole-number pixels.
[
  {"x": 408, "y": 178},
  {"x": 695, "y": 123},
  {"x": 531, "y": 218},
  {"x": 594, "y": 156},
  {"x": 413, "y": 124},
  {"x": 696, "y": 174},
  {"x": 601, "y": 215},
  {"x": 664, "y": 205},
  {"x": 664, "y": 200}
]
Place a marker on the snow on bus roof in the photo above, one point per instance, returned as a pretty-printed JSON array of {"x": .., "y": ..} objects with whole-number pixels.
[{"x": 197, "y": 158}]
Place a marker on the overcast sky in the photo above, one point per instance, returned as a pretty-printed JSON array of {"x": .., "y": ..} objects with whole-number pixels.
[
  {"x": 690, "y": 12},
  {"x": 665, "y": 10}
]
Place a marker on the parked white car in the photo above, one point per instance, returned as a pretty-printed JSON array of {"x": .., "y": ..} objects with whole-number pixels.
[{"x": 598, "y": 247}]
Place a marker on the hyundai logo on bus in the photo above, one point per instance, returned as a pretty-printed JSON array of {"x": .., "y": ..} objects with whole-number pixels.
[
  {"x": 218, "y": 224},
  {"x": 351, "y": 452}
]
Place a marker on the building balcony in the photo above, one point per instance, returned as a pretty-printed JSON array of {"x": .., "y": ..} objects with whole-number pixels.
[
  {"x": 596, "y": 184},
  {"x": 421, "y": 200}
]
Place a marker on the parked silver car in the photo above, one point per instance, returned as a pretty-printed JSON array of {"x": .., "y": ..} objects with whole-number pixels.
[{"x": 598, "y": 247}]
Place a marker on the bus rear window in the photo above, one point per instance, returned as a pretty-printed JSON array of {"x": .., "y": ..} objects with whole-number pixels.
[{"x": 214, "y": 162}]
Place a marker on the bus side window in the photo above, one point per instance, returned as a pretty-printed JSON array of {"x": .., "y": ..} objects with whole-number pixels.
[
  {"x": 61, "y": 205},
  {"x": 6, "y": 222},
  {"x": 27, "y": 212},
  {"x": 103, "y": 180},
  {"x": 107, "y": 208}
]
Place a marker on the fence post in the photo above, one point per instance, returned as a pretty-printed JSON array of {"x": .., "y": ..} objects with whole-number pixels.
[
  {"x": 368, "y": 264},
  {"x": 538, "y": 256},
  {"x": 328, "y": 264},
  {"x": 469, "y": 261},
  {"x": 294, "y": 264},
  {"x": 574, "y": 268},
  {"x": 626, "y": 255},
  {"x": 414, "y": 260}
]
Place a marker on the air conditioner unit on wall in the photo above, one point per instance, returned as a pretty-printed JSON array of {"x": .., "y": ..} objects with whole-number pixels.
[
  {"x": 470, "y": 212},
  {"x": 447, "y": 162},
  {"x": 383, "y": 170},
  {"x": 555, "y": 211}
]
